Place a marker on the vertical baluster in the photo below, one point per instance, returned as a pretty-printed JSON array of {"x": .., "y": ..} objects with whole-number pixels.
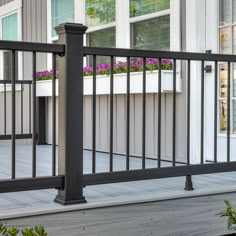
[
  {"x": 54, "y": 114},
  {"x": 188, "y": 110},
  {"x": 13, "y": 124},
  {"x": 174, "y": 116},
  {"x": 30, "y": 128},
  {"x": 94, "y": 116},
  {"x": 111, "y": 112},
  {"x": 128, "y": 116},
  {"x": 202, "y": 113},
  {"x": 159, "y": 113},
  {"x": 5, "y": 109},
  {"x": 34, "y": 118},
  {"x": 228, "y": 112},
  {"x": 215, "y": 111},
  {"x": 144, "y": 115},
  {"x": 22, "y": 108}
]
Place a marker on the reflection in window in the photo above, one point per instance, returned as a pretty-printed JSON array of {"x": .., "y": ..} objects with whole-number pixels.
[
  {"x": 99, "y": 12},
  {"x": 102, "y": 38},
  {"x": 223, "y": 96},
  {"x": 225, "y": 41},
  {"x": 223, "y": 115},
  {"x": 62, "y": 11},
  {"x": 140, "y": 7},
  {"x": 144, "y": 37},
  {"x": 224, "y": 12},
  {"x": 9, "y": 27}
]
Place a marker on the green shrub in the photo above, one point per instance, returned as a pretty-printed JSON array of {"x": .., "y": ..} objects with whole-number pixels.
[
  {"x": 13, "y": 231},
  {"x": 230, "y": 213}
]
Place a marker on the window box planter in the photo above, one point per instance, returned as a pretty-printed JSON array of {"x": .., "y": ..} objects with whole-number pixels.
[{"x": 44, "y": 87}]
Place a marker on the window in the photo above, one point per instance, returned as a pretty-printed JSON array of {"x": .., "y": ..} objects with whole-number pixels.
[
  {"x": 102, "y": 38},
  {"x": 150, "y": 24},
  {"x": 9, "y": 27},
  {"x": 144, "y": 37},
  {"x": 141, "y": 7},
  {"x": 99, "y": 12},
  {"x": 9, "y": 32},
  {"x": 227, "y": 45},
  {"x": 100, "y": 17},
  {"x": 61, "y": 11}
]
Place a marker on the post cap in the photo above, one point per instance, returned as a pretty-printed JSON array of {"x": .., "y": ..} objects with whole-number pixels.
[{"x": 71, "y": 28}]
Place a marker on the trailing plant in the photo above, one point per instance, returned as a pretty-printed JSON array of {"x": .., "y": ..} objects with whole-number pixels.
[
  {"x": 230, "y": 213},
  {"x": 13, "y": 231}
]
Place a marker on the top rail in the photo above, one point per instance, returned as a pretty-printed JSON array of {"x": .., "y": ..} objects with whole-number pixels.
[
  {"x": 29, "y": 47},
  {"x": 119, "y": 52}
]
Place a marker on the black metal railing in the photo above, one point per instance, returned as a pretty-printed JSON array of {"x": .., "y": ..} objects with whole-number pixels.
[
  {"x": 25, "y": 90},
  {"x": 71, "y": 178},
  {"x": 201, "y": 167}
]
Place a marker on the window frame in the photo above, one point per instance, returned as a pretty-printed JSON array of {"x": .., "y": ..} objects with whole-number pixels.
[
  {"x": 14, "y": 7},
  {"x": 231, "y": 25}
]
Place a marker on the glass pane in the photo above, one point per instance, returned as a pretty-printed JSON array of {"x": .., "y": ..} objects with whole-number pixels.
[
  {"x": 223, "y": 115},
  {"x": 234, "y": 116},
  {"x": 99, "y": 12},
  {"x": 223, "y": 80},
  {"x": 142, "y": 7},
  {"x": 234, "y": 80},
  {"x": 225, "y": 41},
  {"x": 62, "y": 11},
  {"x": 224, "y": 12},
  {"x": 234, "y": 38},
  {"x": 102, "y": 38},
  {"x": 234, "y": 11},
  {"x": 144, "y": 37},
  {"x": 9, "y": 27}
]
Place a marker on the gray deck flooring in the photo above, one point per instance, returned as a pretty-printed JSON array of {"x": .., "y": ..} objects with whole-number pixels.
[
  {"x": 41, "y": 201},
  {"x": 183, "y": 217}
]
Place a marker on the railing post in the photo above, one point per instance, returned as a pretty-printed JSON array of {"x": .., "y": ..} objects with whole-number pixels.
[{"x": 70, "y": 150}]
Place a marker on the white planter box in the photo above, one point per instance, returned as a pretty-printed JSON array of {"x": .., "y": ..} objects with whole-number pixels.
[{"x": 44, "y": 88}]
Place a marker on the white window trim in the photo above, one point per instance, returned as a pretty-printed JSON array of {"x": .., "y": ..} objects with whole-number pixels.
[
  {"x": 123, "y": 23},
  {"x": 6, "y": 10}
]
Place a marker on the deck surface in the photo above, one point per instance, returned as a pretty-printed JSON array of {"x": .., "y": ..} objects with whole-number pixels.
[
  {"x": 183, "y": 217},
  {"x": 41, "y": 201}
]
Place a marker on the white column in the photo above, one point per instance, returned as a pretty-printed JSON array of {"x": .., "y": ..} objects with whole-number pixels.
[
  {"x": 122, "y": 24},
  {"x": 79, "y": 11},
  {"x": 195, "y": 42}
]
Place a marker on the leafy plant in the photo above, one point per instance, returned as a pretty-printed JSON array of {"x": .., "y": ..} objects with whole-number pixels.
[
  {"x": 13, "y": 231},
  {"x": 230, "y": 213}
]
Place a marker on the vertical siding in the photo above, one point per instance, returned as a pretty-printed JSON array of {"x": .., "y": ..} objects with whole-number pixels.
[
  {"x": 4, "y": 2},
  {"x": 34, "y": 30},
  {"x": 102, "y": 122},
  {"x": 25, "y": 127}
]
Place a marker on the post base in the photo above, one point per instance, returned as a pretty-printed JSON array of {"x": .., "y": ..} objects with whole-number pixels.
[
  {"x": 188, "y": 183},
  {"x": 65, "y": 202}
]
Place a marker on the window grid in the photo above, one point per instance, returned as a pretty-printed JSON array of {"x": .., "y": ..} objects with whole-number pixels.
[{"x": 227, "y": 45}]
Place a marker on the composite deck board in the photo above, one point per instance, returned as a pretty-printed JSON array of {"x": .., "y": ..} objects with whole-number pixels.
[
  {"x": 97, "y": 192},
  {"x": 183, "y": 217}
]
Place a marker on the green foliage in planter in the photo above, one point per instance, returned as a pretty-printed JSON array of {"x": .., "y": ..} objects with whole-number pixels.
[
  {"x": 13, "y": 231},
  {"x": 230, "y": 213}
]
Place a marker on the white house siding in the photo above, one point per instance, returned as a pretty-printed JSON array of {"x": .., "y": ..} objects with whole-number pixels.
[
  {"x": 18, "y": 111},
  {"x": 34, "y": 29},
  {"x": 103, "y": 125},
  {"x": 4, "y": 2}
]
